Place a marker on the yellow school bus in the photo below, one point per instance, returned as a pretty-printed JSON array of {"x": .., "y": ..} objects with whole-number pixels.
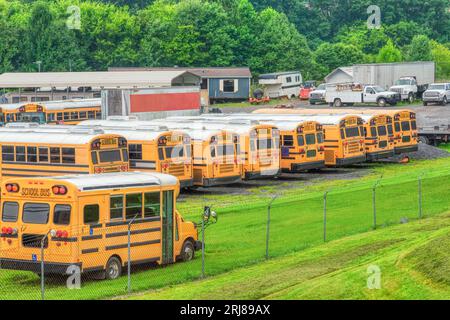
[
  {"x": 301, "y": 143},
  {"x": 28, "y": 152},
  {"x": 82, "y": 221},
  {"x": 259, "y": 143},
  {"x": 53, "y": 112},
  {"x": 378, "y": 129},
  {"x": 406, "y": 138},
  {"x": 343, "y": 136},
  {"x": 153, "y": 148},
  {"x": 215, "y": 156}
]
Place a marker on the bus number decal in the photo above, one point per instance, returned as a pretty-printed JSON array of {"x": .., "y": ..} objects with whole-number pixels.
[{"x": 35, "y": 192}]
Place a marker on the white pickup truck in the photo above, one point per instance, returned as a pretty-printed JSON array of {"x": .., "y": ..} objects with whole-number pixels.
[
  {"x": 349, "y": 94},
  {"x": 408, "y": 88}
]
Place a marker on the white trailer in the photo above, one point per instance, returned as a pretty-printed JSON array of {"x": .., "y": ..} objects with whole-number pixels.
[
  {"x": 281, "y": 84},
  {"x": 409, "y": 79}
]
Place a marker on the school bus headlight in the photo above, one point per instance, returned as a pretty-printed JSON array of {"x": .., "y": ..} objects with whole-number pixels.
[
  {"x": 60, "y": 190},
  {"x": 12, "y": 187}
]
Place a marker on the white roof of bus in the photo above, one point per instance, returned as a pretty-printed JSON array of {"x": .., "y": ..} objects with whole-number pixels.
[
  {"x": 328, "y": 119},
  {"x": 57, "y": 105},
  {"x": 34, "y": 136},
  {"x": 118, "y": 180},
  {"x": 123, "y": 123}
]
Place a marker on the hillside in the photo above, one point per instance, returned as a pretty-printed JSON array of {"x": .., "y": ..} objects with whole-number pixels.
[{"x": 413, "y": 259}]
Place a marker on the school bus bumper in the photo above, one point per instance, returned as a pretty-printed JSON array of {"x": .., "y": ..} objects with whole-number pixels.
[
  {"x": 35, "y": 266},
  {"x": 186, "y": 183},
  {"x": 209, "y": 182},
  {"x": 306, "y": 166},
  {"x": 406, "y": 149},
  {"x": 373, "y": 156},
  {"x": 351, "y": 160},
  {"x": 262, "y": 174}
]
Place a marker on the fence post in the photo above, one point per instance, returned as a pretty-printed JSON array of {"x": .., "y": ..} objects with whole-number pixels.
[
  {"x": 203, "y": 248},
  {"x": 325, "y": 216},
  {"x": 129, "y": 253},
  {"x": 268, "y": 225},
  {"x": 420, "y": 196},
  {"x": 42, "y": 263},
  {"x": 374, "y": 202}
]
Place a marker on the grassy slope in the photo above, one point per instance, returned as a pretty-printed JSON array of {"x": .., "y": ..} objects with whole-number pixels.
[
  {"x": 445, "y": 146},
  {"x": 238, "y": 239},
  {"x": 413, "y": 258}
]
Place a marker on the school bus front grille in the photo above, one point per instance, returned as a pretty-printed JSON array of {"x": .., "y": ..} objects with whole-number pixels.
[
  {"x": 382, "y": 144},
  {"x": 176, "y": 169},
  {"x": 353, "y": 147},
  {"x": 198, "y": 175},
  {"x": 226, "y": 168},
  {"x": 406, "y": 139},
  {"x": 311, "y": 153}
]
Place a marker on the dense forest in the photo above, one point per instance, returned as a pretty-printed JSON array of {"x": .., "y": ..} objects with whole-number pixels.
[{"x": 314, "y": 36}]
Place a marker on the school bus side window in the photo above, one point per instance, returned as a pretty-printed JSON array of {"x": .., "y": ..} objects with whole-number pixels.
[
  {"x": 288, "y": 140},
  {"x": 61, "y": 214},
  {"x": 116, "y": 207},
  {"x": 91, "y": 213},
  {"x": 20, "y": 153},
  {"x": 55, "y": 155},
  {"x": 151, "y": 204},
  {"x": 68, "y": 155},
  {"x": 31, "y": 154},
  {"x": 135, "y": 151},
  {"x": 7, "y": 153},
  {"x": 10, "y": 211},
  {"x": 43, "y": 154},
  {"x": 134, "y": 205}
]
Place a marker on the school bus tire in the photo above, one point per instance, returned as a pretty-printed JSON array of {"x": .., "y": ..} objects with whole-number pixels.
[
  {"x": 187, "y": 251},
  {"x": 113, "y": 269}
]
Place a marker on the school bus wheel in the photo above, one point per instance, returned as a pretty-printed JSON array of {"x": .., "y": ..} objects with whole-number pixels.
[
  {"x": 113, "y": 268},
  {"x": 187, "y": 252}
]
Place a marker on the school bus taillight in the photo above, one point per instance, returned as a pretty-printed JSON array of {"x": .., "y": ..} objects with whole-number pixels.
[
  {"x": 9, "y": 231},
  {"x": 12, "y": 187},
  {"x": 60, "y": 190},
  {"x": 61, "y": 234}
]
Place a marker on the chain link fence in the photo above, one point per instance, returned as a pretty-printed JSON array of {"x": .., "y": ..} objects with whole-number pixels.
[{"x": 246, "y": 233}]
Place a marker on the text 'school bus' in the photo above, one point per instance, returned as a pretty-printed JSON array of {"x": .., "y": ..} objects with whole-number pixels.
[
  {"x": 404, "y": 122},
  {"x": 259, "y": 143},
  {"x": 52, "y": 112},
  {"x": 25, "y": 152},
  {"x": 86, "y": 219},
  {"x": 302, "y": 145},
  {"x": 378, "y": 130},
  {"x": 154, "y": 148}
]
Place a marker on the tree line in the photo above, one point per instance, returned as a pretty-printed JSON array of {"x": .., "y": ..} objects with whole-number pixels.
[{"x": 313, "y": 36}]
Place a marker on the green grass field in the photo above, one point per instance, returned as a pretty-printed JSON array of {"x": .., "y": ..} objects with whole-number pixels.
[
  {"x": 238, "y": 239},
  {"x": 412, "y": 258},
  {"x": 445, "y": 146}
]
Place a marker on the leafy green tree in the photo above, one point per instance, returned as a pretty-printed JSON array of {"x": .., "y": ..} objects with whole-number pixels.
[
  {"x": 403, "y": 32},
  {"x": 420, "y": 49},
  {"x": 279, "y": 46},
  {"x": 368, "y": 40},
  {"x": 334, "y": 55},
  {"x": 389, "y": 53},
  {"x": 441, "y": 55}
]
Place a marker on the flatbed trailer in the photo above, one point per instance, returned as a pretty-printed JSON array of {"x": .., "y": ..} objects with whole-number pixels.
[{"x": 434, "y": 135}]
